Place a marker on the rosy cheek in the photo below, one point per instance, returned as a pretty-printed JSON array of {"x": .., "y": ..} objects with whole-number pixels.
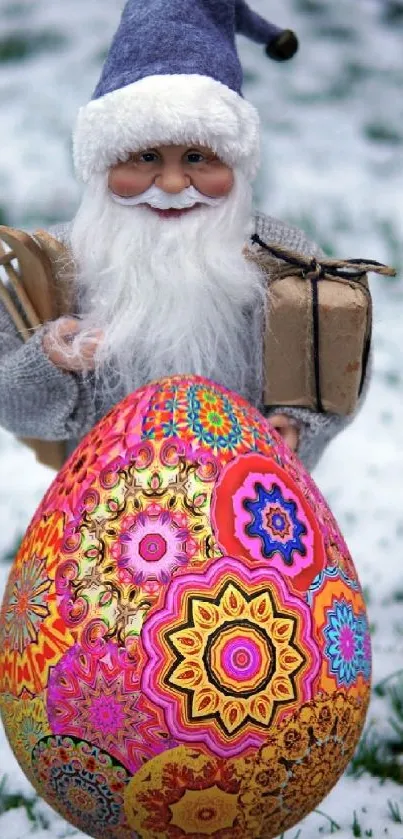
[
  {"x": 126, "y": 182},
  {"x": 225, "y": 182},
  {"x": 217, "y": 184}
]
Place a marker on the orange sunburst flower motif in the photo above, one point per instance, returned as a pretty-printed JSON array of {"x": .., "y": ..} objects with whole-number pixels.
[
  {"x": 227, "y": 653},
  {"x": 237, "y": 659}
]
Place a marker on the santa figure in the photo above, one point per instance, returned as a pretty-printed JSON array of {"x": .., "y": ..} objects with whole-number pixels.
[{"x": 167, "y": 150}]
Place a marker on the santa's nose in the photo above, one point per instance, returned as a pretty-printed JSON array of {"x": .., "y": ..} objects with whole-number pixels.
[{"x": 172, "y": 179}]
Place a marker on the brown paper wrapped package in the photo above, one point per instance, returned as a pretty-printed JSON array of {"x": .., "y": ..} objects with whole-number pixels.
[
  {"x": 331, "y": 381},
  {"x": 318, "y": 328}
]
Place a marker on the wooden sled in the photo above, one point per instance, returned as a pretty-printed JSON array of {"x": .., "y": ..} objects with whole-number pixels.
[{"x": 32, "y": 297}]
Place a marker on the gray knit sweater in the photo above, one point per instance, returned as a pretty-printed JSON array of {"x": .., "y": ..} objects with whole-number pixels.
[{"x": 38, "y": 400}]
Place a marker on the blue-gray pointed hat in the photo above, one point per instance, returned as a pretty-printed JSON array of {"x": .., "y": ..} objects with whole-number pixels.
[{"x": 173, "y": 75}]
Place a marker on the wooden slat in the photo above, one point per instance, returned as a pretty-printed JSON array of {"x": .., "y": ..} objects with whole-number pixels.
[
  {"x": 34, "y": 279},
  {"x": 16, "y": 282},
  {"x": 12, "y": 310}
]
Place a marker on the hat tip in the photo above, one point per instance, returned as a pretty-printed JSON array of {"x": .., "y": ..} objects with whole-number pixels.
[{"x": 283, "y": 46}]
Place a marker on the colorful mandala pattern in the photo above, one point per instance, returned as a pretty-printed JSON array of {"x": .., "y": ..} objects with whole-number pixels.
[
  {"x": 344, "y": 637},
  {"x": 259, "y": 514},
  {"x": 26, "y": 722},
  {"x": 115, "y": 435},
  {"x": 85, "y": 784},
  {"x": 27, "y": 605},
  {"x": 299, "y": 765},
  {"x": 206, "y": 416},
  {"x": 337, "y": 554},
  {"x": 153, "y": 544},
  {"x": 97, "y": 698},
  {"x": 184, "y": 648},
  {"x": 143, "y": 523},
  {"x": 33, "y": 635},
  {"x": 348, "y": 644},
  {"x": 185, "y": 793},
  {"x": 226, "y": 653}
]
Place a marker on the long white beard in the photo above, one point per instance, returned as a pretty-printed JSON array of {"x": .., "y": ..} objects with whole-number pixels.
[{"x": 170, "y": 295}]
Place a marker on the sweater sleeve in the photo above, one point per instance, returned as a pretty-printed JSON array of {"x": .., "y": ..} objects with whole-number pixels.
[
  {"x": 37, "y": 399},
  {"x": 316, "y": 430}
]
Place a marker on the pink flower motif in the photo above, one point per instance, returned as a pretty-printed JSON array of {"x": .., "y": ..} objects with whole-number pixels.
[
  {"x": 106, "y": 715},
  {"x": 97, "y": 698},
  {"x": 151, "y": 547}
]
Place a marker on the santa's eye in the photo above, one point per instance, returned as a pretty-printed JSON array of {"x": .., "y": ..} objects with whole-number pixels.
[
  {"x": 194, "y": 157},
  {"x": 148, "y": 157}
]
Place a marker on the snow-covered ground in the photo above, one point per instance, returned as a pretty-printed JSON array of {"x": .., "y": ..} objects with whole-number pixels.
[{"x": 333, "y": 163}]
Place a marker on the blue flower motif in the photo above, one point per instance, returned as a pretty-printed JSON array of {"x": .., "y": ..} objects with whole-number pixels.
[
  {"x": 282, "y": 523},
  {"x": 347, "y": 644}
]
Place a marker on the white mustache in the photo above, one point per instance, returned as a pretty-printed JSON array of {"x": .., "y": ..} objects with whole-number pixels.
[{"x": 160, "y": 200}]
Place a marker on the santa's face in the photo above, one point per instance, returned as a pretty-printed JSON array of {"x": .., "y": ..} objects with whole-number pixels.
[
  {"x": 172, "y": 170},
  {"x": 158, "y": 243}
]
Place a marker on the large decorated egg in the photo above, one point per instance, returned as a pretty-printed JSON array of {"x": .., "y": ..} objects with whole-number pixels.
[{"x": 184, "y": 646}]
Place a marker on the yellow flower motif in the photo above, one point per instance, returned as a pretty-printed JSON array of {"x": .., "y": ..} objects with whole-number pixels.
[
  {"x": 185, "y": 793},
  {"x": 237, "y": 659},
  {"x": 26, "y": 722},
  {"x": 205, "y": 811}
]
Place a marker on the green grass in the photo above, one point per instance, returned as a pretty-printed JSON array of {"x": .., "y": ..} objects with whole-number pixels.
[
  {"x": 356, "y": 827},
  {"x": 391, "y": 236},
  {"x": 376, "y": 754},
  {"x": 357, "y": 830},
  {"x": 10, "y": 555},
  {"x": 15, "y": 800},
  {"x": 311, "y": 7},
  {"x": 3, "y": 215},
  {"x": 393, "y": 11},
  {"x": 333, "y": 825},
  {"x": 395, "y": 813},
  {"x": 20, "y": 46},
  {"x": 380, "y": 133}
]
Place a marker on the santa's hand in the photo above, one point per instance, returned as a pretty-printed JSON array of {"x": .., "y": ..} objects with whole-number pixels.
[
  {"x": 64, "y": 351},
  {"x": 288, "y": 429}
]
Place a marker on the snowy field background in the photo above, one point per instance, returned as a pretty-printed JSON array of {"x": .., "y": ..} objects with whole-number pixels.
[{"x": 333, "y": 163}]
